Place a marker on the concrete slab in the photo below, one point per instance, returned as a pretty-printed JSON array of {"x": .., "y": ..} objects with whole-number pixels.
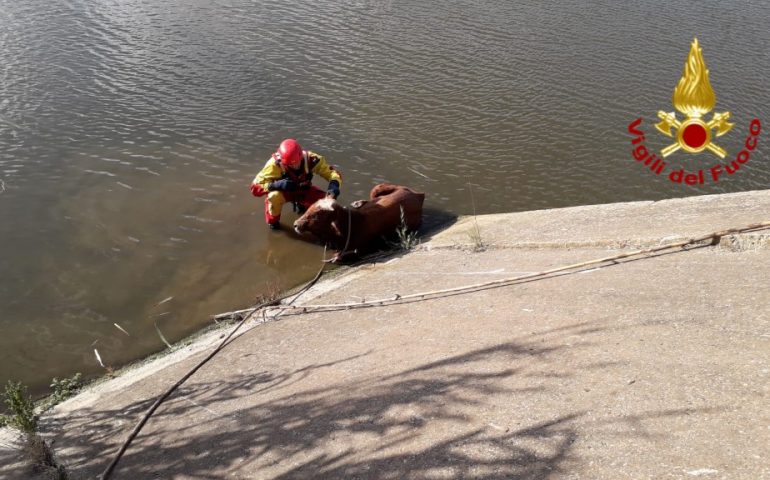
[
  {"x": 652, "y": 368},
  {"x": 631, "y": 224}
]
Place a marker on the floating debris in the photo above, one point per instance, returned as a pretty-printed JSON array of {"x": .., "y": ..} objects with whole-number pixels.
[
  {"x": 163, "y": 301},
  {"x": 201, "y": 219},
  {"x": 99, "y": 358},
  {"x": 161, "y": 335},
  {"x": 418, "y": 173},
  {"x": 121, "y": 329},
  {"x": 100, "y": 172}
]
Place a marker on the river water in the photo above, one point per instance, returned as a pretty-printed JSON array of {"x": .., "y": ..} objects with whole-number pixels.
[{"x": 130, "y": 131}]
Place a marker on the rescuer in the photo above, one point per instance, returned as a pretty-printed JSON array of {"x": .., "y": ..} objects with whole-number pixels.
[{"x": 287, "y": 177}]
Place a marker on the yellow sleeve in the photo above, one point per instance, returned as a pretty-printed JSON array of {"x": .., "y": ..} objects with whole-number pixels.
[
  {"x": 325, "y": 170},
  {"x": 269, "y": 173}
]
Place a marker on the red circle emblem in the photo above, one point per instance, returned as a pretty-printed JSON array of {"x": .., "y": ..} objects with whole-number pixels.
[{"x": 694, "y": 135}]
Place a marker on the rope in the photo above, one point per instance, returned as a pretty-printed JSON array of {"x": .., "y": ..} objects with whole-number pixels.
[
  {"x": 715, "y": 236},
  {"x": 350, "y": 229},
  {"x": 506, "y": 281},
  {"x": 251, "y": 310},
  {"x": 347, "y": 241},
  {"x": 108, "y": 471}
]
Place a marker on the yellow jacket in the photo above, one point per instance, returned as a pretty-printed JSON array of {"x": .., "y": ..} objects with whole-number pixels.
[{"x": 312, "y": 163}]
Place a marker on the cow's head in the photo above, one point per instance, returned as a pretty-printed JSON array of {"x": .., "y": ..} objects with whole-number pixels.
[{"x": 322, "y": 219}]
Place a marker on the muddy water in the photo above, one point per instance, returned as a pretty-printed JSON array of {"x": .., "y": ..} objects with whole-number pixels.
[{"x": 130, "y": 130}]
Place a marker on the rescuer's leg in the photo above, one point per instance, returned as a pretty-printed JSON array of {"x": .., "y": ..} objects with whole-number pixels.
[
  {"x": 273, "y": 205},
  {"x": 311, "y": 196}
]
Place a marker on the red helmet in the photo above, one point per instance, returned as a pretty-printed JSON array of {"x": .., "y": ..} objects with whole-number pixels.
[{"x": 289, "y": 153}]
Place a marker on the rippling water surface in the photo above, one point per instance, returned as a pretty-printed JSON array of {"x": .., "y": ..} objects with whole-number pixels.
[{"x": 130, "y": 130}]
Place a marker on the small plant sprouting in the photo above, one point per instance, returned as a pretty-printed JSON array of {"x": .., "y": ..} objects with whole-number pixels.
[
  {"x": 23, "y": 418},
  {"x": 475, "y": 234},
  {"x": 407, "y": 240},
  {"x": 269, "y": 292},
  {"x": 22, "y": 408},
  {"x": 65, "y": 388}
]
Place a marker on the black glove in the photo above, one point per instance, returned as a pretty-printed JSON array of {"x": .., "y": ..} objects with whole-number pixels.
[
  {"x": 283, "y": 184},
  {"x": 305, "y": 185},
  {"x": 334, "y": 189}
]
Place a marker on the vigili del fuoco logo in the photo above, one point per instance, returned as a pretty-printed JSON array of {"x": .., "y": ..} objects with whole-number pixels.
[{"x": 694, "y": 99}]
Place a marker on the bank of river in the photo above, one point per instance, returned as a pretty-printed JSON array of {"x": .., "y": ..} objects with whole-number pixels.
[{"x": 663, "y": 344}]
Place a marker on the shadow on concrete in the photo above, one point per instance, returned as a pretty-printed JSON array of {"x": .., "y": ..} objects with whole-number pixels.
[
  {"x": 414, "y": 424},
  {"x": 435, "y": 220}
]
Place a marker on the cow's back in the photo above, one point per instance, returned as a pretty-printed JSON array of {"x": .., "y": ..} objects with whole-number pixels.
[{"x": 387, "y": 199}]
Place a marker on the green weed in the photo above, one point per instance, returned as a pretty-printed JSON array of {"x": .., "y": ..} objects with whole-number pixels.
[
  {"x": 475, "y": 234},
  {"x": 65, "y": 388},
  {"x": 406, "y": 239},
  {"x": 21, "y": 406},
  {"x": 23, "y": 418}
]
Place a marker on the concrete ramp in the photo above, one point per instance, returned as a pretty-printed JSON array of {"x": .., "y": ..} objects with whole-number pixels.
[{"x": 652, "y": 368}]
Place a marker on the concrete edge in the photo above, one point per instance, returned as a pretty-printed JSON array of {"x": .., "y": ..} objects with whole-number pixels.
[
  {"x": 734, "y": 242},
  {"x": 142, "y": 369}
]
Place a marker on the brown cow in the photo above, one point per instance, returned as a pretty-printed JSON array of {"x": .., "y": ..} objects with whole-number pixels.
[{"x": 371, "y": 219}]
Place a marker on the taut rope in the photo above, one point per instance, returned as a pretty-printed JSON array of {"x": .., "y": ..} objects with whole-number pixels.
[{"x": 506, "y": 281}]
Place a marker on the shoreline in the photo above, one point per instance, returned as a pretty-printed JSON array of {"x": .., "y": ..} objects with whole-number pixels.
[
  {"x": 524, "y": 241},
  {"x": 209, "y": 335}
]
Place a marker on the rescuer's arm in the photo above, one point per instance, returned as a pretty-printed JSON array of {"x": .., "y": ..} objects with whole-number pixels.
[
  {"x": 269, "y": 179},
  {"x": 330, "y": 174}
]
